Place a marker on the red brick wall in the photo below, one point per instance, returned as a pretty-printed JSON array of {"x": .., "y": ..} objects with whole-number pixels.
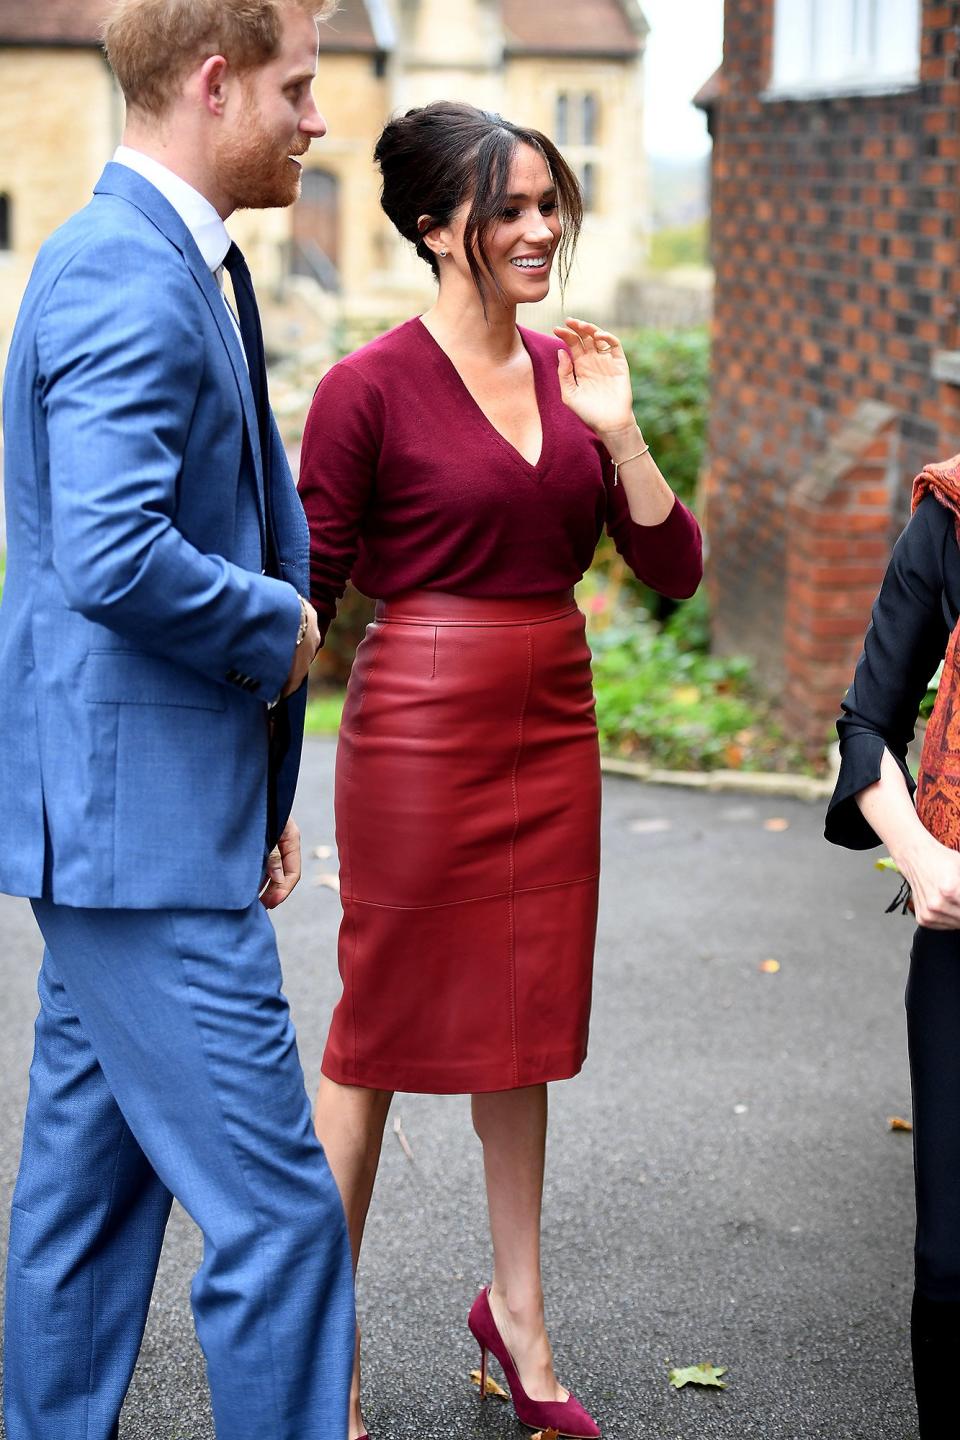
[{"x": 835, "y": 227}]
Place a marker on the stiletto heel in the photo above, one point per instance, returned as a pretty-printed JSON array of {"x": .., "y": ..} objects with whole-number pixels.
[{"x": 567, "y": 1417}]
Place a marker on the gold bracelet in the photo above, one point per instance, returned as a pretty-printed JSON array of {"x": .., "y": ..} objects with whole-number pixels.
[{"x": 618, "y": 463}]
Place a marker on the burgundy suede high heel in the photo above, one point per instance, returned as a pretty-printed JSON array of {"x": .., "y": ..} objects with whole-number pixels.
[{"x": 567, "y": 1417}]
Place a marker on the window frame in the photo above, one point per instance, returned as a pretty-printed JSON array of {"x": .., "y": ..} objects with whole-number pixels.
[{"x": 861, "y": 77}]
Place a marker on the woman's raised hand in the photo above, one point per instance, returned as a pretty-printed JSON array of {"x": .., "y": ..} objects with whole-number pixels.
[{"x": 595, "y": 377}]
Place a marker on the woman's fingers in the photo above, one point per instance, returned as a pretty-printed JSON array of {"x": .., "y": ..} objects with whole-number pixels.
[
  {"x": 604, "y": 338},
  {"x": 590, "y": 339},
  {"x": 585, "y": 333}
]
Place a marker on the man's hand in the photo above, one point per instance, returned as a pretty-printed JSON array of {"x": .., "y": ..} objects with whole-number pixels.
[
  {"x": 283, "y": 867},
  {"x": 304, "y": 654}
]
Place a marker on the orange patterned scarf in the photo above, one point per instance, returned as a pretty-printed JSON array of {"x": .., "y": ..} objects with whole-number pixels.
[{"x": 938, "y": 783}]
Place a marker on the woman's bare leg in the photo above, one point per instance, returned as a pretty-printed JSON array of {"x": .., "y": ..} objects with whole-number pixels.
[
  {"x": 349, "y": 1123},
  {"x": 512, "y": 1124}
]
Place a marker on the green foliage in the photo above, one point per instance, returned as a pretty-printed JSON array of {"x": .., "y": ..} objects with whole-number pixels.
[
  {"x": 680, "y": 245},
  {"x": 663, "y": 698},
  {"x": 670, "y": 371},
  {"x": 930, "y": 698}
]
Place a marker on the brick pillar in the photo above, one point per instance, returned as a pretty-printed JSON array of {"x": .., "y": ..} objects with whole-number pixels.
[{"x": 839, "y": 524}]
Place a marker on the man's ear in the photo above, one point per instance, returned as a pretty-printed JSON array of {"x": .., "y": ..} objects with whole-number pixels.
[{"x": 212, "y": 83}]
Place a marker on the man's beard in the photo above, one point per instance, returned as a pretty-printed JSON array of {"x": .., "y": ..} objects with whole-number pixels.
[{"x": 254, "y": 170}]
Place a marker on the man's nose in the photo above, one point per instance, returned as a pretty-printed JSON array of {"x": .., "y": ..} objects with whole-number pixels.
[{"x": 313, "y": 123}]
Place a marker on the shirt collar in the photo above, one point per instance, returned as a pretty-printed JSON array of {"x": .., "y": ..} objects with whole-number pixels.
[{"x": 194, "y": 209}]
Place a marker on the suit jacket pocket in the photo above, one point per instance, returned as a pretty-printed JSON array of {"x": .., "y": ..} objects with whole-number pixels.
[{"x": 125, "y": 677}]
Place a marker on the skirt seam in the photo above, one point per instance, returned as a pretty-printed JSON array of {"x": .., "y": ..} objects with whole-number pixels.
[
  {"x": 353, "y": 927},
  {"x": 473, "y": 623},
  {"x": 563, "y": 1065},
  {"x": 512, "y": 872},
  {"x": 479, "y": 899}
]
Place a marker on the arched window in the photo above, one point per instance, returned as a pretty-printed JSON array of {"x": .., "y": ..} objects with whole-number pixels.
[
  {"x": 591, "y": 118},
  {"x": 316, "y": 228},
  {"x": 562, "y": 119},
  {"x": 588, "y": 183}
]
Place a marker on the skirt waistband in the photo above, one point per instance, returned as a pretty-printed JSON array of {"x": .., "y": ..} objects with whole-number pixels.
[{"x": 435, "y": 607}]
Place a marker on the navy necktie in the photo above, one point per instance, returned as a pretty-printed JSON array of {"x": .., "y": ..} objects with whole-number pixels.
[{"x": 251, "y": 334}]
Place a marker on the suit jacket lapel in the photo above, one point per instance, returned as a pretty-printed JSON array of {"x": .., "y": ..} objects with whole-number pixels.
[{"x": 126, "y": 183}]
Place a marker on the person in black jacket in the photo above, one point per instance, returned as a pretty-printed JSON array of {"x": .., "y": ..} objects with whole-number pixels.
[{"x": 914, "y": 616}]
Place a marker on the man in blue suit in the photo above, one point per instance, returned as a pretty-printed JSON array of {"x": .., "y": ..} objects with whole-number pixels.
[{"x": 153, "y": 651}]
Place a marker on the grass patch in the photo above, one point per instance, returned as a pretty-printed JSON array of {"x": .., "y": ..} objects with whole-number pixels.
[{"x": 324, "y": 709}]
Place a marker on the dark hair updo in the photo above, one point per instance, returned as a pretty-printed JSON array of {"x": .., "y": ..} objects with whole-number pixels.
[{"x": 435, "y": 158}]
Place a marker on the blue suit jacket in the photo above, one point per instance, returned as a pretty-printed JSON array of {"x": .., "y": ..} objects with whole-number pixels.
[{"x": 139, "y": 640}]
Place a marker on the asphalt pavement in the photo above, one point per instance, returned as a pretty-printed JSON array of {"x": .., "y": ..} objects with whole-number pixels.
[{"x": 722, "y": 1184}]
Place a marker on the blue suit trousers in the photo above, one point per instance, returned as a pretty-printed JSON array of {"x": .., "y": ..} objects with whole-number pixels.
[{"x": 166, "y": 1065}]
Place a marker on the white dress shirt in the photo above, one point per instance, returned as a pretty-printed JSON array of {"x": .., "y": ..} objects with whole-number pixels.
[{"x": 194, "y": 209}]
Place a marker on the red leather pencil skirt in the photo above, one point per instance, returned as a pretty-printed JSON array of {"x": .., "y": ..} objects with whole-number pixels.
[{"x": 468, "y": 828}]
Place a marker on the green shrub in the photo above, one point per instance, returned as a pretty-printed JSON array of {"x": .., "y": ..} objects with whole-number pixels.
[
  {"x": 663, "y": 698},
  {"x": 670, "y": 371}
]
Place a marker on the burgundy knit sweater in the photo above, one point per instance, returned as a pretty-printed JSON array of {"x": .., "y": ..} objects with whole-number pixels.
[{"x": 408, "y": 486}]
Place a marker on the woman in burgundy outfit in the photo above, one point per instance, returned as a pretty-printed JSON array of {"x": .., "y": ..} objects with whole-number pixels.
[{"x": 462, "y": 469}]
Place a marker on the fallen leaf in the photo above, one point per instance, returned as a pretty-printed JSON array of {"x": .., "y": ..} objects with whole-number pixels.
[
  {"x": 330, "y": 882},
  {"x": 404, "y": 1142},
  {"x": 769, "y": 967},
  {"x": 896, "y": 1122},
  {"x": 702, "y": 1374},
  {"x": 322, "y": 852},
  {"x": 776, "y": 822},
  {"x": 492, "y": 1387},
  {"x": 546, "y": 1435}
]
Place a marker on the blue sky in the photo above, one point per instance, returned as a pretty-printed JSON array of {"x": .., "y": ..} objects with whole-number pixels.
[{"x": 685, "y": 46}]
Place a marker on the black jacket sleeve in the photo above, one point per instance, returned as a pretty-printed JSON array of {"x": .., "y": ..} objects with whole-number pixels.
[{"x": 908, "y": 634}]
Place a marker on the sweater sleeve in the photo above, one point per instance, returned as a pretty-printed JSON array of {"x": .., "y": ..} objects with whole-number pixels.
[
  {"x": 668, "y": 557},
  {"x": 338, "y": 465},
  {"x": 904, "y": 644}
]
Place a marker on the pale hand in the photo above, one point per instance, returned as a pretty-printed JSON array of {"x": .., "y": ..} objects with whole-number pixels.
[
  {"x": 304, "y": 654},
  {"x": 283, "y": 867},
  {"x": 934, "y": 878},
  {"x": 595, "y": 377}
]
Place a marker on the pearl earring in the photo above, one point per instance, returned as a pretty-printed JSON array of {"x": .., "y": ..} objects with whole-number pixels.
[{"x": 443, "y": 254}]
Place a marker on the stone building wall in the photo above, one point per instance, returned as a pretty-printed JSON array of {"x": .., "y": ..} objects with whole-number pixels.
[{"x": 60, "y": 118}]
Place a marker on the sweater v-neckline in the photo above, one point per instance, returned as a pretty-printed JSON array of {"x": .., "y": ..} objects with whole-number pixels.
[{"x": 453, "y": 374}]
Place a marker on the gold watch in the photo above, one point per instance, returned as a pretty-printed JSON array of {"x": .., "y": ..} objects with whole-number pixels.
[{"x": 304, "y": 621}]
